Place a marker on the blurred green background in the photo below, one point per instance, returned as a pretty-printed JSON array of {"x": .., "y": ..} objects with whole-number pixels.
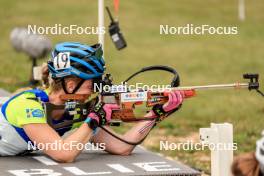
[{"x": 199, "y": 59}]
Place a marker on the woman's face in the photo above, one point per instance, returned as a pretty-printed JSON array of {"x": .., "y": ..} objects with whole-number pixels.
[{"x": 86, "y": 88}]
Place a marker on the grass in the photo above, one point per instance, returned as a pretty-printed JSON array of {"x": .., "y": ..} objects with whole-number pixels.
[{"x": 199, "y": 59}]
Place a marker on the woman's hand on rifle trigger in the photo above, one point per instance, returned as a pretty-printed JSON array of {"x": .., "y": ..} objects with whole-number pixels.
[{"x": 102, "y": 113}]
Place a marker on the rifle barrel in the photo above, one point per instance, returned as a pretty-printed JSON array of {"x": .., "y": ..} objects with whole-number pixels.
[
  {"x": 215, "y": 86},
  {"x": 203, "y": 87}
]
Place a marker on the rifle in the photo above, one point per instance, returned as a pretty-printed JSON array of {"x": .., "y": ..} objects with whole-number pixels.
[{"x": 128, "y": 100}]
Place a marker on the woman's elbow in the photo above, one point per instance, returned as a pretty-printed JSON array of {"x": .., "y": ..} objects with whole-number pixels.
[
  {"x": 122, "y": 152},
  {"x": 64, "y": 160},
  {"x": 63, "y": 157},
  {"x": 126, "y": 153}
]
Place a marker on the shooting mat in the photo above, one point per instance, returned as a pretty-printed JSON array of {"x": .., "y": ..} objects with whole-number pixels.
[{"x": 91, "y": 162}]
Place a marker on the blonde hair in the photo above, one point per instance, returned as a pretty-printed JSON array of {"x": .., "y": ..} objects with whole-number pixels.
[
  {"x": 48, "y": 82},
  {"x": 53, "y": 85}
]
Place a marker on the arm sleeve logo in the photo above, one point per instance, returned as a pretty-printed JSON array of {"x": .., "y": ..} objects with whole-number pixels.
[{"x": 35, "y": 113}]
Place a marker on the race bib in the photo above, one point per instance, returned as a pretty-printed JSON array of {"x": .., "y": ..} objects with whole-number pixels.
[{"x": 62, "y": 61}]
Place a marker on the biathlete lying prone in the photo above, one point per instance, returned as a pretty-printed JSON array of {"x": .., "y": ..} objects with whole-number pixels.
[{"x": 23, "y": 120}]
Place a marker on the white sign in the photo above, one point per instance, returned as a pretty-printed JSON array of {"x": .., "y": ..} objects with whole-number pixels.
[
  {"x": 43, "y": 172},
  {"x": 37, "y": 73},
  {"x": 120, "y": 168},
  {"x": 156, "y": 166},
  {"x": 77, "y": 171}
]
